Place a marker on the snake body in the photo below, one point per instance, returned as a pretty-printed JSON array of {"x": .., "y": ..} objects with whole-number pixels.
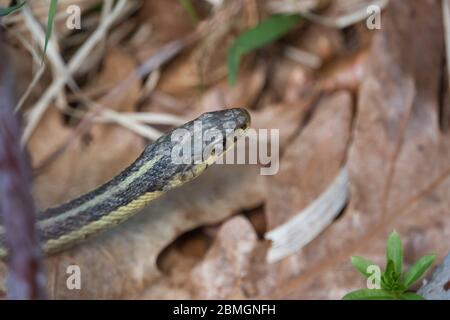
[{"x": 153, "y": 173}]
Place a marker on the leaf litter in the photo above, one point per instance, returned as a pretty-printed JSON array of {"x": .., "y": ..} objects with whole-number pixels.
[{"x": 372, "y": 105}]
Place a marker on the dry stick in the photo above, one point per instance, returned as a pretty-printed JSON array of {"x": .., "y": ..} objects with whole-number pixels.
[
  {"x": 37, "y": 76},
  {"x": 166, "y": 53},
  {"x": 41, "y": 106},
  {"x": 26, "y": 278},
  {"x": 339, "y": 22},
  {"x": 60, "y": 70},
  {"x": 30, "y": 88},
  {"x": 154, "y": 62}
]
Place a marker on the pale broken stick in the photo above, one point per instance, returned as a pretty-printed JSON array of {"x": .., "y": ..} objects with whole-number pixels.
[
  {"x": 62, "y": 72},
  {"x": 438, "y": 288},
  {"x": 41, "y": 106},
  {"x": 343, "y": 21},
  {"x": 293, "y": 235}
]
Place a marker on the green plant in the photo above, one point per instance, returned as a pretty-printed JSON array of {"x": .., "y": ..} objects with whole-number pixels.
[
  {"x": 257, "y": 37},
  {"x": 394, "y": 284},
  {"x": 187, "y": 5},
  {"x": 50, "y": 20}
]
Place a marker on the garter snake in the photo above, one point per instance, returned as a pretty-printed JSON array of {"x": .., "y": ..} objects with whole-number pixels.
[{"x": 154, "y": 172}]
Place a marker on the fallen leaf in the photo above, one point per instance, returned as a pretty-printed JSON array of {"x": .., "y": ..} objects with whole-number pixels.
[
  {"x": 287, "y": 117},
  {"x": 311, "y": 161},
  {"x": 95, "y": 157},
  {"x": 244, "y": 94},
  {"x": 398, "y": 161},
  {"x": 118, "y": 66},
  {"x": 345, "y": 74},
  {"x": 231, "y": 254}
]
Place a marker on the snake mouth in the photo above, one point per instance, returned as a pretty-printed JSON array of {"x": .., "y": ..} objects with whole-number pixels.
[
  {"x": 243, "y": 118},
  {"x": 245, "y": 126}
]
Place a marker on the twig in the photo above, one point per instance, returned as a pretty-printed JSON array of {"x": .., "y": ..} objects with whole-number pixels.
[
  {"x": 166, "y": 53},
  {"x": 30, "y": 88},
  {"x": 26, "y": 279},
  {"x": 154, "y": 118},
  {"x": 303, "y": 57},
  {"x": 438, "y": 288},
  {"x": 41, "y": 106},
  {"x": 40, "y": 72},
  {"x": 61, "y": 71},
  {"x": 339, "y": 22}
]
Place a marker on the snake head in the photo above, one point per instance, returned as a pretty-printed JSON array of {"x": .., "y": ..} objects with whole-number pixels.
[{"x": 200, "y": 142}]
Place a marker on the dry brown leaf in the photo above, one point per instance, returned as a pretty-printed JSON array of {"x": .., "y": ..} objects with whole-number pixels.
[
  {"x": 118, "y": 66},
  {"x": 312, "y": 160},
  {"x": 95, "y": 157},
  {"x": 243, "y": 94},
  {"x": 288, "y": 117},
  {"x": 40, "y": 10},
  {"x": 169, "y": 20},
  {"x": 220, "y": 274},
  {"x": 200, "y": 67},
  {"x": 345, "y": 74},
  {"x": 90, "y": 161},
  {"x": 216, "y": 97},
  {"x": 398, "y": 164},
  {"x": 325, "y": 43},
  {"x": 23, "y": 72},
  {"x": 290, "y": 79}
]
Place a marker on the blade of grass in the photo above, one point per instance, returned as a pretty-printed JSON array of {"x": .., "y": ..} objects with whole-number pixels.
[
  {"x": 187, "y": 5},
  {"x": 361, "y": 265},
  {"x": 369, "y": 294},
  {"x": 418, "y": 269},
  {"x": 411, "y": 296},
  {"x": 394, "y": 252},
  {"x": 50, "y": 20},
  {"x": 259, "y": 36},
  {"x": 6, "y": 11}
]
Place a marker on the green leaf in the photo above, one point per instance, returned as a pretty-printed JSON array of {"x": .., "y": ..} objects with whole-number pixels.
[
  {"x": 394, "y": 252},
  {"x": 51, "y": 18},
  {"x": 386, "y": 282},
  {"x": 369, "y": 294},
  {"x": 418, "y": 269},
  {"x": 187, "y": 5},
  {"x": 6, "y": 11},
  {"x": 257, "y": 37},
  {"x": 389, "y": 273},
  {"x": 411, "y": 296},
  {"x": 362, "y": 264}
]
